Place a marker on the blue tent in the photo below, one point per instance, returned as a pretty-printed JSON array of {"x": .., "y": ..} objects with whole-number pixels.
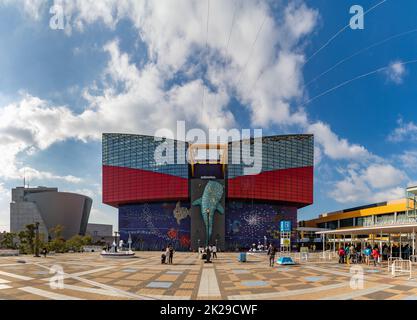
[{"x": 285, "y": 260}]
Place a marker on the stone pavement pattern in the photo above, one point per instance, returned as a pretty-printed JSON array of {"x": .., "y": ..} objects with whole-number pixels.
[{"x": 89, "y": 276}]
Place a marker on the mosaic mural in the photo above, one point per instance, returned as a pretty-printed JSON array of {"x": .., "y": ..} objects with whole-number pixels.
[
  {"x": 155, "y": 225},
  {"x": 248, "y": 223}
]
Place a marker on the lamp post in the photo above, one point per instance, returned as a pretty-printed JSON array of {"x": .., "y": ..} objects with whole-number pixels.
[
  {"x": 129, "y": 241},
  {"x": 208, "y": 226},
  {"x": 37, "y": 239},
  {"x": 115, "y": 240}
]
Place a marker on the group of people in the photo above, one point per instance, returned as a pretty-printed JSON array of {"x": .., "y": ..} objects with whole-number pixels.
[
  {"x": 259, "y": 247},
  {"x": 208, "y": 253},
  {"x": 352, "y": 254},
  {"x": 167, "y": 253}
]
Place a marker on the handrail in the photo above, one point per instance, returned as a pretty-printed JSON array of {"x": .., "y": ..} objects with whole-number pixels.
[
  {"x": 392, "y": 259},
  {"x": 402, "y": 266}
]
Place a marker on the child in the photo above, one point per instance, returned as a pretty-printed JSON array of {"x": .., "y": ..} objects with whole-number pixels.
[{"x": 163, "y": 257}]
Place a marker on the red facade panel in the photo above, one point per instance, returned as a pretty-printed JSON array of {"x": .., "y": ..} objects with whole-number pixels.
[
  {"x": 287, "y": 185},
  {"x": 125, "y": 185}
]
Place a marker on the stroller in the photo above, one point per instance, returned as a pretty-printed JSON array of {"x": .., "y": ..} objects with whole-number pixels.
[{"x": 163, "y": 258}]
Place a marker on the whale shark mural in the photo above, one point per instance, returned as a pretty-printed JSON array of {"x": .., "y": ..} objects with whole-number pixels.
[{"x": 210, "y": 202}]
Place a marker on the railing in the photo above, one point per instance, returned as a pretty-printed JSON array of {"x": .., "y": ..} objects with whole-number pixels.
[
  {"x": 391, "y": 262},
  {"x": 8, "y": 252},
  {"x": 413, "y": 258},
  {"x": 400, "y": 267},
  {"x": 310, "y": 256}
]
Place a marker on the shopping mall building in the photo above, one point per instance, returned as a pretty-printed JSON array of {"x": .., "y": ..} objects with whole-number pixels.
[
  {"x": 209, "y": 200},
  {"x": 391, "y": 223}
]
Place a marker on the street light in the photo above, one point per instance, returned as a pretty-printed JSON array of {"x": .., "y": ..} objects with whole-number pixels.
[
  {"x": 208, "y": 226},
  {"x": 115, "y": 240},
  {"x": 37, "y": 239}
]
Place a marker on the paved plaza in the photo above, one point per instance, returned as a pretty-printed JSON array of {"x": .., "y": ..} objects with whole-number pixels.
[{"x": 89, "y": 276}]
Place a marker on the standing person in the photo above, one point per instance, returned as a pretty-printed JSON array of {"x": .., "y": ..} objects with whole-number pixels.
[
  {"x": 214, "y": 250},
  {"x": 171, "y": 253},
  {"x": 385, "y": 252},
  {"x": 167, "y": 254},
  {"x": 352, "y": 253},
  {"x": 271, "y": 252},
  {"x": 208, "y": 254},
  {"x": 367, "y": 253},
  {"x": 163, "y": 256},
  {"x": 341, "y": 255}
]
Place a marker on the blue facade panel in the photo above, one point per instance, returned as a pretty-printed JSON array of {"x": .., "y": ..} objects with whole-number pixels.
[
  {"x": 248, "y": 223},
  {"x": 155, "y": 225}
]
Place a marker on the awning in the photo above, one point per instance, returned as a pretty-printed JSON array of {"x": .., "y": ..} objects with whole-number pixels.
[{"x": 399, "y": 228}]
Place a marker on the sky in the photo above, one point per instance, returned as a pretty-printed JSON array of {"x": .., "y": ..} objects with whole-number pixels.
[{"x": 139, "y": 66}]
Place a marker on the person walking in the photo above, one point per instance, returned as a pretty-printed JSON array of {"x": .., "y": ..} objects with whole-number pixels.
[
  {"x": 271, "y": 252},
  {"x": 214, "y": 250},
  {"x": 170, "y": 253}
]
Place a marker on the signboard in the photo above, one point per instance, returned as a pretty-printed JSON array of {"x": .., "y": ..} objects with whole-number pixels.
[
  {"x": 285, "y": 226},
  {"x": 285, "y": 242}
]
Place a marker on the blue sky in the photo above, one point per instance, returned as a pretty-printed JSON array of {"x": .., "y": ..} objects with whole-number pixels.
[{"x": 139, "y": 66}]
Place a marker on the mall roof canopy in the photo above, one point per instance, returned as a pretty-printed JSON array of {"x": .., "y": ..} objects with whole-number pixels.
[
  {"x": 412, "y": 190},
  {"x": 398, "y": 228}
]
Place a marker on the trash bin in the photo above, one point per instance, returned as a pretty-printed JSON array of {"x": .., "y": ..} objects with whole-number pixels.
[{"x": 242, "y": 257}]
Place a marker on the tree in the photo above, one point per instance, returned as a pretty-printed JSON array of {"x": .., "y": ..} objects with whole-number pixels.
[
  {"x": 27, "y": 239},
  {"x": 8, "y": 240},
  {"x": 56, "y": 232},
  {"x": 87, "y": 240},
  {"x": 75, "y": 243},
  {"x": 57, "y": 244}
]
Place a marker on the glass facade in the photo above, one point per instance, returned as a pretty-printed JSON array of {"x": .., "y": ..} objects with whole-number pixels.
[
  {"x": 278, "y": 152},
  {"x": 138, "y": 152}
]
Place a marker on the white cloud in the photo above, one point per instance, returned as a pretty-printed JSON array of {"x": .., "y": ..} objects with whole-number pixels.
[
  {"x": 383, "y": 176},
  {"x": 335, "y": 147},
  {"x": 32, "y": 8},
  {"x": 409, "y": 159},
  {"x": 375, "y": 183},
  {"x": 172, "y": 39},
  {"x": 405, "y": 131},
  {"x": 5, "y": 198},
  {"x": 395, "y": 72}
]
